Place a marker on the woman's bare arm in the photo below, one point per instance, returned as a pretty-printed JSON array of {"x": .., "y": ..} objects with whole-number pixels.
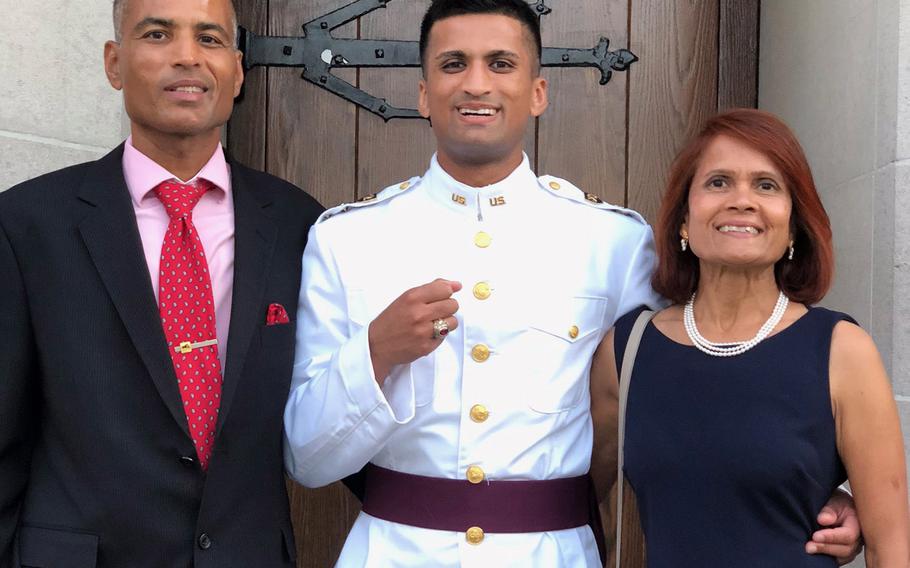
[{"x": 871, "y": 445}]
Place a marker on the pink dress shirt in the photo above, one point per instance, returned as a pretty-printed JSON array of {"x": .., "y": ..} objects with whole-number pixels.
[{"x": 213, "y": 217}]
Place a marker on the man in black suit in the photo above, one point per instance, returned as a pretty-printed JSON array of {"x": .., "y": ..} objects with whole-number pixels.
[{"x": 99, "y": 464}]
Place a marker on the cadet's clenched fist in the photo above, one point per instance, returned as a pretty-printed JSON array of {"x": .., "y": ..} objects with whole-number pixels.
[{"x": 403, "y": 332}]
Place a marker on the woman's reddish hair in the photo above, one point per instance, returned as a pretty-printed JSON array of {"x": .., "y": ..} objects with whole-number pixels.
[{"x": 804, "y": 279}]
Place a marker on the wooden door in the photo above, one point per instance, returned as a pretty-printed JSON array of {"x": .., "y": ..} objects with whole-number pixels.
[{"x": 616, "y": 141}]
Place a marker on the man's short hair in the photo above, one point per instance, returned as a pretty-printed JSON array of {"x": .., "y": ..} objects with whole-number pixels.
[
  {"x": 120, "y": 8},
  {"x": 517, "y": 9}
]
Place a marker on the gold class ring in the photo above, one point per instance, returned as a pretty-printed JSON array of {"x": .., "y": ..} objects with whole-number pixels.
[{"x": 440, "y": 328}]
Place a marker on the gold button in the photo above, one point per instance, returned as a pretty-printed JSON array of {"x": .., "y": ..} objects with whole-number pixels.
[
  {"x": 479, "y": 413},
  {"x": 482, "y": 239},
  {"x": 404, "y": 185},
  {"x": 480, "y": 353},
  {"x": 474, "y": 535},
  {"x": 474, "y": 474},
  {"x": 573, "y": 331},
  {"x": 554, "y": 185},
  {"x": 482, "y": 290}
]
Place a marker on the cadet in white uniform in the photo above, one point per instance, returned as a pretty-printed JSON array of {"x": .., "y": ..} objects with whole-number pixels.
[
  {"x": 539, "y": 270},
  {"x": 505, "y": 395}
]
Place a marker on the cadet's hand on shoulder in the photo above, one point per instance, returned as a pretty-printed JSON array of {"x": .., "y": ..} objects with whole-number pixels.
[{"x": 403, "y": 332}]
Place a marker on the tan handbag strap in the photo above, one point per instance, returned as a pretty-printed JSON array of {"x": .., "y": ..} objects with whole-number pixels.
[{"x": 625, "y": 378}]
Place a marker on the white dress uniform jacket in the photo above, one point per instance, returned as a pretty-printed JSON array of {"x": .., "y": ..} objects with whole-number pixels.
[{"x": 546, "y": 271}]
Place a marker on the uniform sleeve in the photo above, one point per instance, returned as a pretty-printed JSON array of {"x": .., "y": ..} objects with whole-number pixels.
[
  {"x": 337, "y": 418},
  {"x": 636, "y": 288},
  {"x": 18, "y": 376}
]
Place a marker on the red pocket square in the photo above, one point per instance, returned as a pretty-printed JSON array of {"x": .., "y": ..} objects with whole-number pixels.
[{"x": 276, "y": 315}]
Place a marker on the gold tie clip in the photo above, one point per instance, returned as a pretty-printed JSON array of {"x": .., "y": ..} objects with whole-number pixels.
[{"x": 186, "y": 346}]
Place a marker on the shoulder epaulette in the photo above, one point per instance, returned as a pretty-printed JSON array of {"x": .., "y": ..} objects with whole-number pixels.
[
  {"x": 566, "y": 190},
  {"x": 371, "y": 199}
]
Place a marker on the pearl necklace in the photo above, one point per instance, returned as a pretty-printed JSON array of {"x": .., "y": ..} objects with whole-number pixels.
[{"x": 737, "y": 347}]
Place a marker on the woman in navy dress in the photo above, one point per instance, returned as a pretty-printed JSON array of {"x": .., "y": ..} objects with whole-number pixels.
[{"x": 748, "y": 406}]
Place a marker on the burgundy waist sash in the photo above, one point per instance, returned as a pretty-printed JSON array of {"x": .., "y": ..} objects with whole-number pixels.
[{"x": 494, "y": 506}]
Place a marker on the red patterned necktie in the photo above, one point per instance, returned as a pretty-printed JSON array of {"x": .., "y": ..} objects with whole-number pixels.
[{"x": 187, "y": 309}]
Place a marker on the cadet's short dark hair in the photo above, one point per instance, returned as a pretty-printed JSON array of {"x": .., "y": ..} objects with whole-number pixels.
[{"x": 517, "y": 9}]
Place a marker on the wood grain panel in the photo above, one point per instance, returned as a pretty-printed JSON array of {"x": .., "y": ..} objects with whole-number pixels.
[
  {"x": 582, "y": 136},
  {"x": 737, "y": 65},
  {"x": 392, "y": 151},
  {"x": 311, "y": 132},
  {"x": 311, "y": 142},
  {"x": 322, "y": 519},
  {"x": 247, "y": 127},
  {"x": 633, "y": 539},
  {"x": 672, "y": 90}
]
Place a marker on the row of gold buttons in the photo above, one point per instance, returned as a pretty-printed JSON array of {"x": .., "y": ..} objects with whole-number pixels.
[
  {"x": 480, "y": 353},
  {"x": 479, "y": 412}
]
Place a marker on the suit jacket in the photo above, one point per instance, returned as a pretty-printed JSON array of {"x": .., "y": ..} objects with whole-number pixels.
[{"x": 97, "y": 467}]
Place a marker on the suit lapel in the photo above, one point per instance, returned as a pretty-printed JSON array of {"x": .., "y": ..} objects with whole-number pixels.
[
  {"x": 111, "y": 235},
  {"x": 255, "y": 234}
]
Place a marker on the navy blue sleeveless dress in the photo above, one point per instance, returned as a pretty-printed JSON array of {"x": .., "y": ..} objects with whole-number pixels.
[{"x": 732, "y": 458}]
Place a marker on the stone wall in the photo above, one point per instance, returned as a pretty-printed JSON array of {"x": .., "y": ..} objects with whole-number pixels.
[{"x": 57, "y": 106}]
